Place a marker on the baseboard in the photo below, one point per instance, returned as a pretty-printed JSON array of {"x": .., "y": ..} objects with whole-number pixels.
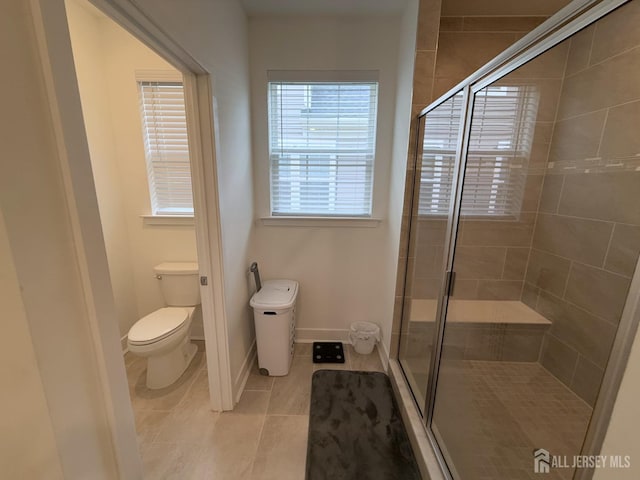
[
  {"x": 309, "y": 335},
  {"x": 197, "y": 337},
  {"x": 245, "y": 370},
  {"x": 383, "y": 353}
]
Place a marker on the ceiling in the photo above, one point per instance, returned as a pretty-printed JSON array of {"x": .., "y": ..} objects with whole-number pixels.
[{"x": 323, "y": 7}]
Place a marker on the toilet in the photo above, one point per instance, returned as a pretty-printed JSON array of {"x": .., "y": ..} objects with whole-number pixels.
[{"x": 163, "y": 336}]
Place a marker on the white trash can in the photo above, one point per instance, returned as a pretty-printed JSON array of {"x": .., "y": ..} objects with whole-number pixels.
[
  {"x": 363, "y": 336},
  {"x": 274, "y": 313}
]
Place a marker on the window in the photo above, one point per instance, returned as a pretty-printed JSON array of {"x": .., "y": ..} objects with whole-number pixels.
[
  {"x": 322, "y": 147},
  {"x": 164, "y": 128},
  {"x": 499, "y": 148}
]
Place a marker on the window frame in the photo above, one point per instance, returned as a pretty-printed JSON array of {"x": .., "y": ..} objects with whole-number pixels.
[
  {"x": 324, "y": 218},
  {"x": 158, "y": 217}
]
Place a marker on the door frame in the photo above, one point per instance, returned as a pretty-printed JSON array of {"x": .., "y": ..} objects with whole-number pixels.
[{"x": 54, "y": 48}]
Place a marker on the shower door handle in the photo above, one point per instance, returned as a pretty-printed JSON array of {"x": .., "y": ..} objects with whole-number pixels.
[{"x": 449, "y": 279}]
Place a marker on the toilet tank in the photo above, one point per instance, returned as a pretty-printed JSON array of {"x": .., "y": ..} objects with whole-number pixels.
[{"x": 179, "y": 283}]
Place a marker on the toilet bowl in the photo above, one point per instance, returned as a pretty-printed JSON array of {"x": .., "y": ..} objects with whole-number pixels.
[{"x": 163, "y": 336}]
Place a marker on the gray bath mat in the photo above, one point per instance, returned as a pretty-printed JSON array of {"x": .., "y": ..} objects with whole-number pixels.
[{"x": 355, "y": 429}]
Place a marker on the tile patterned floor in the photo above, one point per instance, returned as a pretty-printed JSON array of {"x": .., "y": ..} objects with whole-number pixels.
[
  {"x": 492, "y": 415},
  {"x": 265, "y": 437}
]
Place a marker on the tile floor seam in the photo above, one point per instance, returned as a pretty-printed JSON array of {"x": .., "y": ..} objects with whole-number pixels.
[
  {"x": 197, "y": 374},
  {"x": 286, "y": 414},
  {"x": 255, "y": 453}
]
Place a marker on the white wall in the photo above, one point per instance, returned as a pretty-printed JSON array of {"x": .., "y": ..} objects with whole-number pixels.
[
  {"x": 41, "y": 244},
  {"x": 215, "y": 34},
  {"x": 343, "y": 271},
  {"x": 27, "y": 444},
  {"x": 106, "y": 59},
  {"x": 87, "y": 43}
]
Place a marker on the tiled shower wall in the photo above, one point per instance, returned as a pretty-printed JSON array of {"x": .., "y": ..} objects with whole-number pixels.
[
  {"x": 587, "y": 235},
  {"x": 467, "y": 43}
]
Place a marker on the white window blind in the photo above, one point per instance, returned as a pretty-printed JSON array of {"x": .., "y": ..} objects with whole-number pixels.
[
  {"x": 322, "y": 147},
  {"x": 500, "y": 142},
  {"x": 164, "y": 128}
]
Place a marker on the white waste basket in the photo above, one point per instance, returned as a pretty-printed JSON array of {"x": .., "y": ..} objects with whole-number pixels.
[
  {"x": 274, "y": 313},
  {"x": 363, "y": 336}
]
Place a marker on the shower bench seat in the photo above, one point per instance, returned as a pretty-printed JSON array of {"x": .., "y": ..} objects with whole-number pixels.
[
  {"x": 478, "y": 311},
  {"x": 501, "y": 330}
]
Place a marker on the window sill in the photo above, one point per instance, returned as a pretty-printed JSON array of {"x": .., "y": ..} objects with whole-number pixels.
[
  {"x": 168, "y": 220},
  {"x": 286, "y": 221}
]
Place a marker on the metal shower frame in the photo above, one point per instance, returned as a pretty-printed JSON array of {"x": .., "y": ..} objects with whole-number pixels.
[{"x": 568, "y": 21}]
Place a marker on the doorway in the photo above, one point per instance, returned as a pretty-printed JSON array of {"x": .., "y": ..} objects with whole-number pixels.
[
  {"x": 55, "y": 51},
  {"x": 134, "y": 114}
]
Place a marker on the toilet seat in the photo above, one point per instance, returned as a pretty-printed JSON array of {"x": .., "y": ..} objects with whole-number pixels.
[{"x": 158, "y": 325}]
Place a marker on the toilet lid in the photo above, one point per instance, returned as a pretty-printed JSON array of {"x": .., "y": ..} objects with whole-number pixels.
[{"x": 158, "y": 325}]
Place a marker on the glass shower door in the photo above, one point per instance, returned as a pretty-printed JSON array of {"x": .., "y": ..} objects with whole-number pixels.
[
  {"x": 548, "y": 240},
  {"x": 495, "y": 224},
  {"x": 432, "y": 204}
]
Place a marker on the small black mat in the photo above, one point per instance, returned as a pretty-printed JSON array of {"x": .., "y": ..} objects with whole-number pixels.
[
  {"x": 328, "y": 352},
  {"x": 355, "y": 429}
]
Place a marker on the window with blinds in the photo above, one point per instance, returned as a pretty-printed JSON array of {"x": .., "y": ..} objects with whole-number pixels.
[
  {"x": 500, "y": 142},
  {"x": 164, "y": 127},
  {"x": 322, "y": 147}
]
